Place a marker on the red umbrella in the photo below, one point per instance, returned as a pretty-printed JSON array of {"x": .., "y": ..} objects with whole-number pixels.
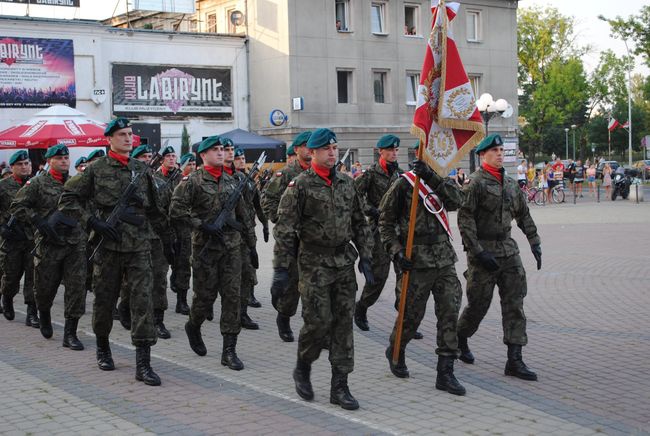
[{"x": 57, "y": 125}]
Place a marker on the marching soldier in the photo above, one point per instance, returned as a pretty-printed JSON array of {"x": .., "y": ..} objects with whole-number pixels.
[
  {"x": 285, "y": 301},
  {"x": 81, "y": 164},
  {"x": 95, "y": 154},
  {"x": 61, "y": 246},
  {"x": 431, "y": 266},
  {"x": 125, "y": 247},
  {"x": 292, "y": 155},
  {"x": 492, "y": 201},
  {"x": 90, "y": 245},
  {"x": 371, "y": 186},
  {"x": 319, "y": 214},
  {"x": 17, "y": 243},
  {"x": 216, "y": 259},
  {"x": 250, "y": 260}
]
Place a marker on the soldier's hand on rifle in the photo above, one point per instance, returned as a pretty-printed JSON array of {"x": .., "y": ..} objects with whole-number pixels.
[
  {"x": 265, "y": 232},
  {"x": 487, "y": 260},
  {"x": 404, "y": 262},
  {"x": 255, "y": 260},
  {"x": 279, "y": 284},
  {"x": 212, "y": 229},
  {"x": 420, "y": 168},
  {"x": 47, "y": 230},
  {"x": 365, "y": 267},
  {"x": 12, "y": 233},
  {"x": 103, "y": 228},
  {"x": 537, "y": 252}
]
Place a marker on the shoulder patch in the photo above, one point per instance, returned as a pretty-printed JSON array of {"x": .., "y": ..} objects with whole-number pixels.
[
  {"x": 29, "y": 182},
  {"x": 278, "y": 174},
  {"x": 186, "y": 178},
  {"x": 291, "y": 184}
]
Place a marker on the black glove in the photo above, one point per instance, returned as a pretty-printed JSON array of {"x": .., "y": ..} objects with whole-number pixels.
[
  {"x": 211, "y": 229},
  {"x": 255, "y": 259},
  {"x": 265, "y": 232},
  {"x": 537, "y": 252},
  {"x": 420, "y": 168},
  {"x": 47, "y": 231},
  {"x": 366, "y": 268},
  {"x": 104, "y": 228},
  {"x": 169, "y": 250},
  {"x": 374, "y": 213},
  {"x": 487, "y": 260},
  {"x": 279, "y": 284},
  {"x": 404, "y": 262},
  {"x": 13, "y": 233}
]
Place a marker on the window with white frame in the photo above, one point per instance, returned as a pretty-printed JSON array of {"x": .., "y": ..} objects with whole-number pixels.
[
  {"x": 378, "y": 18},
  {"x": 231, "y": 27},
  {"x": 475, "y": 81},
  {"x": 379, "y": 81},
  {"x": 473, "y": 25},
  {"x": 412, "y": 85},
  {"x": 411, "y": 19},
  {"x": 193, "y": 25},
  {"x": 342, "y": 8},
  {"x": 344, "y": 86},
  {"x": 212, "y": 23}
]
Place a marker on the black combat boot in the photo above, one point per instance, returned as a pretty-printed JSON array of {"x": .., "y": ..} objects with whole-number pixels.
[
  {"x": 124, "y": 314},
  {"x": 400, "y": 370},
  {"x": 340, "y": 393},
  {"x": 104, "y": 356},
  {"x": 143, "y": 370},
  {"x": 210, "y": 315},
  {"x": 229, "y": 355},
  {"x": 301, "y": 376},
  {"x": 116, "y": 314},
  {"x": 253, "y": 302},
  {"x": 360, "y": 317},
  {"x": 284, "y": 327},
  {"x": 446, "y": 380},
  {"x": 246, "y": 321},
  {"x": 8, "y": 307},
  {"x": 465, "y": 353},
  {"x": 181, "y": 303},
  {"x": 516, "y": 367},
  {"x": 70, "y": 339},
  {"x": 194, "y": 336},
  {"x": 46, "y": 324},
  {"x": 159, "y": 325},
  {"x": 31, "y": 320},
  {"x": 418, "y": 336}
]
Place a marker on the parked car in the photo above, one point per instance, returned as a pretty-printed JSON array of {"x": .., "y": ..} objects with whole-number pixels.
[
  {"x": 599, "y": 169},
  {"x": 643, "y": 165}
]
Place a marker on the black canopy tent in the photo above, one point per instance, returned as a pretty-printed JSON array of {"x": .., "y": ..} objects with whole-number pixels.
[{"x": 254, "y": 144}]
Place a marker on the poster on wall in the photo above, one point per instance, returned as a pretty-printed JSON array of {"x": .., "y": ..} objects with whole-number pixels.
[
  {"x": 509, "y": 150},
  {"x": 171, "y": 91},
  {"x": 36, "y": 72},
  {"x": 70, "y": 3}
]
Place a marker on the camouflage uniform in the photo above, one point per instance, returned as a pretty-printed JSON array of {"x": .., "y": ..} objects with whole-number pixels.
[
  {"x": 485, "y": 221},
  {"x": 318, "y": 221}
]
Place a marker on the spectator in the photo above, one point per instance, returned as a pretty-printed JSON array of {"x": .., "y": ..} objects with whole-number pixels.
[
  {"x": 591, "y": 178},
  {"x": 530, "y": 174},
  {"x": 338, "y": 25},
  {"x": 521, "y": 174},
  {"x": 601, "y": 160},
  {"x": 569, "y": 173},
  {"x": 558, "y": 170},
  {"x": 578, "y": 175},
  {"x": 553, "y": 155},
  {"x": 461, "y": 178},
  {"x": 549, "y": 177}
]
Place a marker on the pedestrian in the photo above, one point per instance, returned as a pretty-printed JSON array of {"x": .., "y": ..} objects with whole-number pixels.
[
  {"x": 521, "y": 174},
  {"x": 124, "y": 252},
  {"x": 549, "y": 179},
  {"x": 607, "y": 179},
  {"x": 530, "y": 174},
  {"x": 461, "y": 177},
  {"x": 578, "y": 172},
  {"x": 431, "y": 266},
  {"x": 319, "y": 214},
  {"x": 492, "y": 201}
]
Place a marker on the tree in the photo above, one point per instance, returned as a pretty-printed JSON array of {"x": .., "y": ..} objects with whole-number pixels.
[
  {"x": 185, "y": 141},
  {"x": 635, "y": 28}
]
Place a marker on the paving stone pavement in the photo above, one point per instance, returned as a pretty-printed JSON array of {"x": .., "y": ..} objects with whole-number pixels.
[{"x": 589, "y": 338}]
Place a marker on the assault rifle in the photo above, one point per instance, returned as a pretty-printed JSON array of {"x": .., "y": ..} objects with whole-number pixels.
[
  {"x": 177, "y": 171},
  {"x": 119, "y": 212},
  {"x": 265, "y": 177},
  {"x": 224, "y": 217},
  {"x": 12, "y": 226},
  {"x": 341, "y": 161}
]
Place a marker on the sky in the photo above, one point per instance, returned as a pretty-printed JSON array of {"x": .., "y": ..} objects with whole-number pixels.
[{"x": 590, "y": 29}]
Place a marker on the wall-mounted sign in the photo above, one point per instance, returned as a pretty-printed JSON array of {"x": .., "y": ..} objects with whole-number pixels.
[
  {"x": 98, "y": 95},
  {"x": 278, "y": 118},
  {"x": 298, "y": 103},
  {"x": 71, "y": 3},
  {"x": 176, "y": 6},
  {"x": 172, "y": 91},
  {"x": 36, "y": 72},
  {"x": 509, "y": 150}
]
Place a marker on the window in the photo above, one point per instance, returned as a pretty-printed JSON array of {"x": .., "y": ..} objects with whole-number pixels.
[
  {"x": 231, "y": 27},
  {"x": 212, "y": 23},
  {"x": 377, "y": 18},
  {"x": 412, "y": 85},
  {"x": 411, "y": 19},
  {"x": 193, "y": 25},
  {"x": 473, "y": 26},
  {"x": 344, "y": 86},
  {"x": 475, "y": 81},
  {"x": 379, "y": 86},
  {"x": 342, "y": 15}
]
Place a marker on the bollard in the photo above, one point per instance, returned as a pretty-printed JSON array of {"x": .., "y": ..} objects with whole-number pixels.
[
  {"x": 575, "y": 192},
  {"x": 637, "y": 193},
  {"x": 597, "y": 193}
]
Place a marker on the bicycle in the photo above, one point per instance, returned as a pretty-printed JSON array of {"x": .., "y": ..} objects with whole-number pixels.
[
  {"x": 536, "y": 195},
  {"x": 557, "y": 194}
]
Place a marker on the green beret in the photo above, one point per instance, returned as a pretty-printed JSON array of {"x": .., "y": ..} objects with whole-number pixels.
[
  {"x": 208, "y": 143},
  {"x": 416, "y": 145},
  {"x": 56, "y": 150},
  {"x": 490, "y": 141},
  {"x": 140, "y": 150},
  {"x": 167, "y": 150},
  {"x": 320, "y": 138},
  {"x": 96, "y": 154},
  {"x": 301, "y": 139},
  {"x": 388, "y": 141},
  {"x": 19, "y": 155},
  {"x": 187, "y": 157},
  {"x": 82, "y": 160},
  {"x": 116, "y": 124},
  {"x": 239, "y": 151},
  {"x": 291, "y": 151},
  {"x": 226, "y": 142}
]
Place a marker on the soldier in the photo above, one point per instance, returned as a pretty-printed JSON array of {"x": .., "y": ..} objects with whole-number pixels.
[
  {"x": 216, "y": 260},
  {"x": 17, "y": 243},
  {"x": 61, "y": 246},
  {"x": 95, "y": 154},
  {"x": 291, "y": 154},
  {"x": 80, "y": 164},
  {"x": 285, "y": 301},
  {"x": 250, "y": 259},
  {"x": 90, "y": 245},
  {"x": 371, "y": 186},
  {"x": 492, "y": 201},
  {"x": 431, "y": 266},
  {"x": 319, "y": 213},
  {"x": 125, "y": 250}
]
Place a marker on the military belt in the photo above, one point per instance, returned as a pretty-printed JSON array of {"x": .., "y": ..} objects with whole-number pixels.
[
  {"x": 494, "y": 236},
  {"x": 319, "y": 249},
  {"x": 429, "y": 239}
]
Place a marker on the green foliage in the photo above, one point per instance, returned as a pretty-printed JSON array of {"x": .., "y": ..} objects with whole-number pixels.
[
  {"x": 635, "y": 28},
  {"x": 185, "y": 141}
]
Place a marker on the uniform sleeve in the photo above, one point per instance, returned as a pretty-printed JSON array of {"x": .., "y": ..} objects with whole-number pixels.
[
  {"x": 524, "y": 220},
  {"x": 76, "y": 195},
  {"x": 287, "y": 226},
  {"x": 272, "y": 195},
  {"x": 180, "y": 209},
  {"x": 257, "y": 204},
  {"x": 390, "y": 209},
  {"x": 22, "y": 207},
  {"x": 361, "y": 235},
  {"x": 450, "y": 193},
  {"x": 466, "y": 220},
  {"x": 157, "y": 212},
  {"x": 5, "y": 204},
  {"x": 247, "y": 220},
  {"x": 361, "y": 185}
]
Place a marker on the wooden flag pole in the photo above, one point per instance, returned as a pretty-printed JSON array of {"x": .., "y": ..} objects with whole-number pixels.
[{"x": 415, "y": 197}]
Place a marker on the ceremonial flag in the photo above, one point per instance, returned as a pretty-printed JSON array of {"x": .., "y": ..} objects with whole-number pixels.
[
  {"x": 613, "y": 125},
  {"x": 625, "y": 125},
  {"x": 446, "y": 119}
]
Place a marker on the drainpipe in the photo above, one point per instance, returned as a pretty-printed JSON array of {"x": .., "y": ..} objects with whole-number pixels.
[{"x": 248, "y": 67}]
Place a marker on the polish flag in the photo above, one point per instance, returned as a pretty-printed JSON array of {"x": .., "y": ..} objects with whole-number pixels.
[
  {"x": 626, "y": 125},
  {"x": 613, "y": 125}
]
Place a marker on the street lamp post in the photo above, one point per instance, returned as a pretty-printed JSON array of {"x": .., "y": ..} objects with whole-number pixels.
[
  {"x": 566, "y": 143},
  {"x": 488, "y": 109},
  {"x": 574, "y": 127},
  {"x": 629, "y": 108}
]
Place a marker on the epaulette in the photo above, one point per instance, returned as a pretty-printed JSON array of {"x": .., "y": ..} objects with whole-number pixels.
[
  {"x": 28, "y": 182},
  {"x": 185, "y": 178},
  {"x": 278, "y": 174},
  {"x": 291, "y": 183}
]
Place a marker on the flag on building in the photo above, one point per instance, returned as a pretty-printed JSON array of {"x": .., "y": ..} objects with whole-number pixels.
[{"x": 446, "y": 119}]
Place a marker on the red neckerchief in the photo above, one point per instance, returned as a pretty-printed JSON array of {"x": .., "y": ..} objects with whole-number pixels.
[
  {"x": 496, "y": 172},
  {"x": 20, "y": 181},
  {"x": 323, "y": 173},
  {"x": 214, "y": 171},
  {"x": 124, "y": 160},
  {"x": 164, "y": 170},
  {"x": 303, "y": 166},
  {"x": 56, "y": 175},
  {"x": 383, "y": 164},
  {"x": 228, "y": 169}
]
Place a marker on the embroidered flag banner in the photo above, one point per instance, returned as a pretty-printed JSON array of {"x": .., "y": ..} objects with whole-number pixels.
[{"x": 446, "y": 119}]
